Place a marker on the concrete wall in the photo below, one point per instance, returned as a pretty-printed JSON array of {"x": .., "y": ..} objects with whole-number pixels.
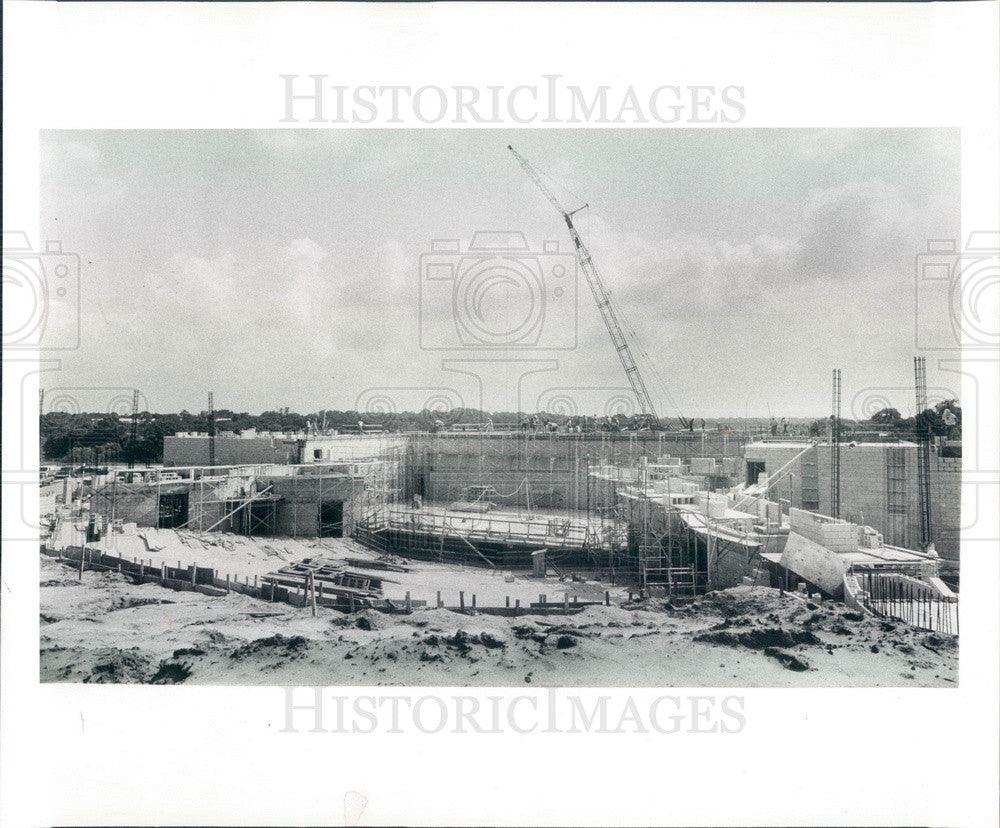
[
  {"x": 139, "y": 504},
  {"x": 350, "y": 447},
  {"x": 440, "y": 465},
  {"x": 229, "y": 451},
  {"x": 298, "y": 512},
  {"x": 865, "y": 471}
]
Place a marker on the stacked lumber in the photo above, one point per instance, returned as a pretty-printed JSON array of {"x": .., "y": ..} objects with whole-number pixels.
[{"x": 329, "y": 576}]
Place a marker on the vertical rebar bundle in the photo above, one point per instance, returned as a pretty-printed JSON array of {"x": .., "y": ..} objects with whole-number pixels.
[
  {"x": 211, "y": 430},
  {"x": 835, "y": 448},
  {"x": 134, "y": 429},
  {"x": 910, "y": 602},
  {"x": 923, "y": 452}
]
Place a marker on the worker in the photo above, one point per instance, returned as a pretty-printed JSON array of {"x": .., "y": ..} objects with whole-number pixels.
[
  {"x": 489, "y": 424},
  {"x": 784, "y": 425},
  {"x": 774, "y": 427}
]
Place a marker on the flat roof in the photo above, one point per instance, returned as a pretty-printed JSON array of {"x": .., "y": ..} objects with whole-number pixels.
[{"x": 804, "y": 444}]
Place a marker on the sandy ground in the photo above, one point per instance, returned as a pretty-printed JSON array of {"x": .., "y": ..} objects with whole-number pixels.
[
  {"x": 243, "y": 558},
  {"x": 104, "y": 628}
]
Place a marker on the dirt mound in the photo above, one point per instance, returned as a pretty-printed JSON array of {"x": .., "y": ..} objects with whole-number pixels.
[
  {"x": 275, "y": 644},
  {"x": 372, "y": 620},
  {"x": 120, "y": 667},
  {"x": 462, "y": 642},
  {"x": 737, "y": 601},
  {"x": 788, "y": 660},
  {"x": 939, "y": 642},
  {"x": 124, "y": 602},
  {"x": 760, "y": 638},
  {"x": 170, "y": 673},
  {"x": 369, "y": 620}
]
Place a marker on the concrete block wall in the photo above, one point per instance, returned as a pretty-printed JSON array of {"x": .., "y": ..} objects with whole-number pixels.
[
  {"x": 350, "y": 447},
  {"x": 229, "y": 451},
  {"x": 555, "y": 465},
  {"x": 140, "y": 507},
  {"x": 703, "y": 465},
  {"x": 729, "y": 565},
  {"x": 298, "y": 512},
  {"x": 775, "y": 456},
  {"x": 837, "y": 536},
  {"x": 946, "y": 505},
  {"x": 712, "y": 505},
  {"x": 864, "y": 490}
]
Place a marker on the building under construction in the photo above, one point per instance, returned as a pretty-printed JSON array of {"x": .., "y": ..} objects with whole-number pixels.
[
  {"x": 680, "y": 511},
  {"x": 648, "y": 508}
]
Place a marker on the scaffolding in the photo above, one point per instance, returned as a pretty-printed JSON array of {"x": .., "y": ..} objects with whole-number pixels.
[
  {"x": 505, "y": 540},
  {"x": 260, "y": 500},
  {"x": 660, "y": 555}
]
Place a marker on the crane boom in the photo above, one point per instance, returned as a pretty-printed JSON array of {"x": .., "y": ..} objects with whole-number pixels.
[{"x": 604, "y": 304}]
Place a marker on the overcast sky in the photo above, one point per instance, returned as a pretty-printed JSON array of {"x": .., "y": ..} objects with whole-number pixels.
[{"x": 283, "y": 268}]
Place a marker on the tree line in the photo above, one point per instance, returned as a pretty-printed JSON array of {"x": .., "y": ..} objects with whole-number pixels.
[{"x": 101, "y": 437}]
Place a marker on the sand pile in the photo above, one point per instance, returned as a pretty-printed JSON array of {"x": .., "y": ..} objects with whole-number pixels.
[{"x": 107, "y": 629}]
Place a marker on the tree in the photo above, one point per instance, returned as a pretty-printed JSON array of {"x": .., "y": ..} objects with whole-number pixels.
[
  {"x": 819, "y": 428},
  {"x": 887, "y": 416}
]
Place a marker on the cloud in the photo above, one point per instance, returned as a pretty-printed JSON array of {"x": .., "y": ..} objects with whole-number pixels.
[
  {"x": 854, "y": 227},
  {"x": 285, "y": 265},
  {"x": 842, "y": 233}
]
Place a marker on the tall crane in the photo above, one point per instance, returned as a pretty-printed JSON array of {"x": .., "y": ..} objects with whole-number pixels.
[{"x": 604, "y": 304}]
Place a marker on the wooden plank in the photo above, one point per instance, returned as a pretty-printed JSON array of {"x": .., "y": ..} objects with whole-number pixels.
[
  {"x": 331, "y": 588},
  {"x": 363, "y": 563}
]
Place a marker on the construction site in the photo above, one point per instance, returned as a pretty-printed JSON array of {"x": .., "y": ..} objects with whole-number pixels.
[{"x": 651, "y": 553}]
